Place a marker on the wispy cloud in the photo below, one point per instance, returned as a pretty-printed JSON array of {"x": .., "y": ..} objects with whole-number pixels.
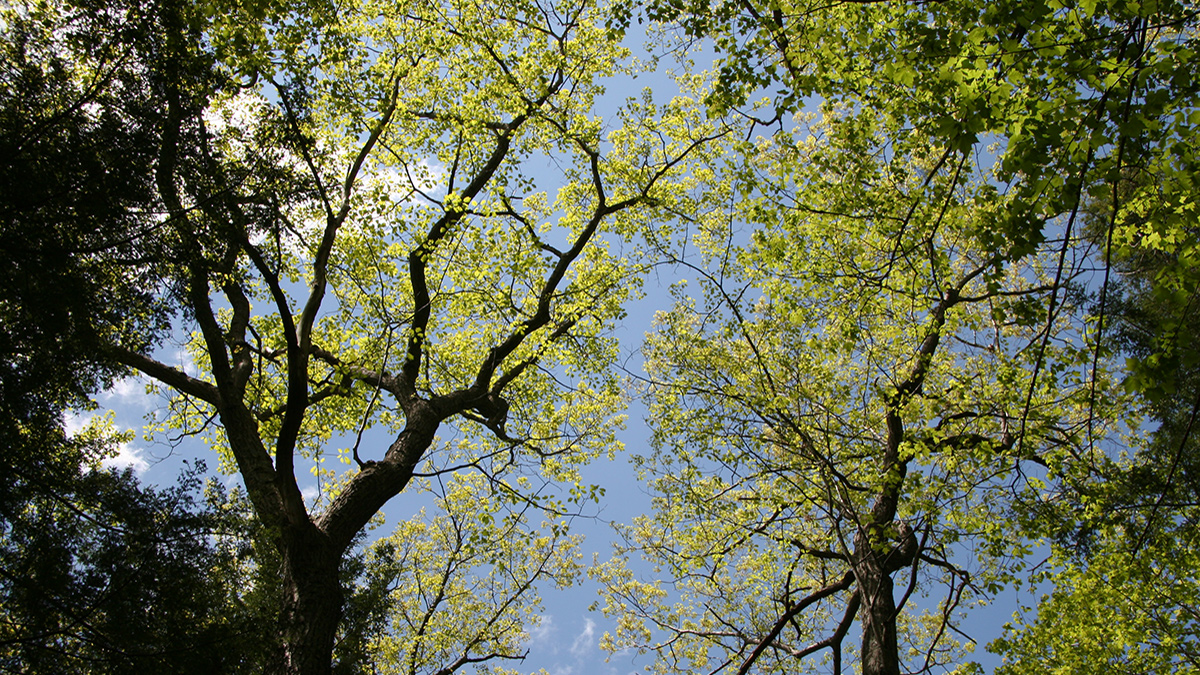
[
  {"x": 541, "y": 635},
  {"x": 585, "y": 642},
  {"x": 310, "y": 493},
  {"x": 129, "y": 392}
]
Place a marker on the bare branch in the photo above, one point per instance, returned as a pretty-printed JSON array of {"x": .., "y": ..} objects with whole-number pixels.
[{"x": 168, "y": 375}]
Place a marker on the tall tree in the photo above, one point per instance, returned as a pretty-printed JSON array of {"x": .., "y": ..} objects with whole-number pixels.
[
  {"x": 100, "y": 574},
  {"x": 430, "y": 180},
  {"x": 1123, "y": 562},
  {"x": 845, "y": 411},
  {"x": 874, "y": 329}
]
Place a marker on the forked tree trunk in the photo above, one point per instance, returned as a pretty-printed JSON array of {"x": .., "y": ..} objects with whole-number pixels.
[
  {"x": 874, "y": 563},
  {"x": 880, "y": 650}
]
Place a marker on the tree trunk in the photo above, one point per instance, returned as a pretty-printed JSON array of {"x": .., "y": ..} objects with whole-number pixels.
[
  {"x": 312, "y": 591},
  {"x": 880, "y": 650},
  {"x": 876, "y": 557},
  {"x": 312, "y": 602}
]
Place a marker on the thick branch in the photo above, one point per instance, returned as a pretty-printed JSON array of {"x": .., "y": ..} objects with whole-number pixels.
[
  {"x": 225, "y": 396},
  {"x": 238, "y": 324},
  {"x": 841, "y": 585},
  {"x": 883, "y": 511},
  {"x": 422, "y": 303},
  {"x": 298, "y": 350},
  {"x": 377, "y": 482},
  {"x": 168, "y": 375}
]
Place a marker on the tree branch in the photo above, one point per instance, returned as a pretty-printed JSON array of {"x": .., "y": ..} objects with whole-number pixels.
[
  {"x": 845, "y": 582},
  {"x": 168, "y": 375},
  {"x": 417, "y": 259}
]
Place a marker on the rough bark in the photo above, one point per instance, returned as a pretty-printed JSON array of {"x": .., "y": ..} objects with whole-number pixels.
[
  {"x": 377, "y": 482},
  {"x": 312, "y": 601},
  {"x": 880, "y": 650},
  {"x": 876, "y": 559}
]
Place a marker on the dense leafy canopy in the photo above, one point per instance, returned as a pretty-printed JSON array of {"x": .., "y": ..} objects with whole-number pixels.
[
  {"x": 942, "y": 268},
  {"x": 100, "y": 574},
  {"x": 909, "y": 371},
  {"x": 105, "y": 576}
]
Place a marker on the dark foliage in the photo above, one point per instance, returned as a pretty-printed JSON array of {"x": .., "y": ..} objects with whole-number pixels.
[{"x": 103, "y": 575}]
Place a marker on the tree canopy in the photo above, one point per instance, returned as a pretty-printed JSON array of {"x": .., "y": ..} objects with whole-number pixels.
[
  {"x": 940, "y": 264},
  {"x": 903, "y": 372},
  {"x": 399, "y": 217}
]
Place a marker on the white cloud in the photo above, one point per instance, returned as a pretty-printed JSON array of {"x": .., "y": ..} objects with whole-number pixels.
[
  {"x": 310, "y": 493},
  {"x": 74, "y": 423},
  {"x": 542, "y": 633},
  {"x": 183, "y": 361},
  {"x": 128, "y": 457},
  {"x": 585, "y": 642},
  {"x": 130, "y": 391}
]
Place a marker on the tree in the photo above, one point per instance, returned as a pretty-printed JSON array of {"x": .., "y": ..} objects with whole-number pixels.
[
  {"x": 382, "y": 162},
  {"x": 106, "y": 576},
  {"x": 850, "y": 404},
  {"x": 77, "y": 234},
  {"x": 1123, "y": 565},
  {"x": 1114, "y": 610},
  {"x": 100, "y": 574},
  {"x": 899, "y": 359}
]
